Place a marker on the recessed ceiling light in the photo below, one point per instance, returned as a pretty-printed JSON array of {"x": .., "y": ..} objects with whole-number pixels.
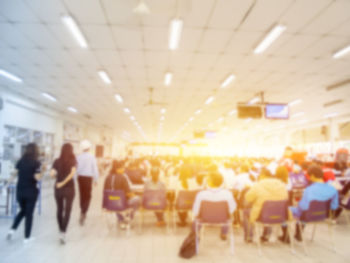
[
  {"x": 330, "y": 115},
  {"x": 342, "y": 52},
  {"x": 270, "y": 37},
  {"x": 227, "y": 81},
  {"x": 167, "y": 78},
  {"x": 198, "y": 111},
  {"x": 232, "y": 112},
  {"x": 175, "y": 33},
  {"x": 104, "y": 76},
  {"x": 209, "y": 100},
  {"x": 163, "y": 111},
  {"x": 126, "y": 110},
  {"x": 10, "y": 76},
  {"x": 298, "y": 114},
  {"x": 75, "y": 31},
  {"x": 49, "y": 97},
  {"x": 295, "y": 102},
  {"x": 72, "y": 109},
  {"x": 118, "y": 98}
]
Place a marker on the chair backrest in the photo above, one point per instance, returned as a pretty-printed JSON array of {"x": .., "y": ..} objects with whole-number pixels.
[
  {"x": 318, "y": 211},
  {"x": 185, "y": 199},
  {"x": 214, "y": 212},
  {"x": 298, "y": 180},
  {"x": 154, "y": 200},
  {"x": 114, "y": 200},
  {"x": 135, "y": 176},
  {"x": 274, "y": 212}
]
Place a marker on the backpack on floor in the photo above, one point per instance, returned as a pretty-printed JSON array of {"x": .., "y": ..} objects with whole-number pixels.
[{"x": 188, "y": 247}]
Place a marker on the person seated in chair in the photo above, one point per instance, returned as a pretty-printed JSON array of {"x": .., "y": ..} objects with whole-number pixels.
[
  {"x": 117, "y": 180},
  {"x": 155, "y": 184},
  {"x": 215, "y": 193},
  {"x": 268, "y": 188},
  {"x": 317, "y": 191}
]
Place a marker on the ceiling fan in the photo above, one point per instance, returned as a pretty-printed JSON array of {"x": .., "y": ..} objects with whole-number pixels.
[{"x": 151, "y": 102}]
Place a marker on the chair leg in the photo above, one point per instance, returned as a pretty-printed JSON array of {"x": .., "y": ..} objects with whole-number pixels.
[
  {"x": 346, "y": 216},
  {"x": 331, "y": 234},
  {"x": 313, "y": 232},
  {"x": 232, "y": 240},
  {"x": 197, "y": 236},
  {"x": 302, "y": 238},
  {"x": 257, "y": 236},
  {"x": 291, "y": 239}
]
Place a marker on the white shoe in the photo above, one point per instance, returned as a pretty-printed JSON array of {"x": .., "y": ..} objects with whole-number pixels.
[
  {"x": 63, "y": 238},
  {"x": 10, "y": 234},
  {"x": 28, "y": 240}
]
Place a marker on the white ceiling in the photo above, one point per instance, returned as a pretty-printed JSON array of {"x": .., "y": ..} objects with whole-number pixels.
[{"x": 216, "y": 41}]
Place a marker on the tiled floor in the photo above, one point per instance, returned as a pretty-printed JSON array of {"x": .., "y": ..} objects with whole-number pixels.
[{"x": 95, "y": 242}]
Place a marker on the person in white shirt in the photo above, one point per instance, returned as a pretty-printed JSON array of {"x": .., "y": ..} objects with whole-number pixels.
[
  {"x": 228, "y": 174},
  {"x": 215, "y": 194},
  {"x": 87, "y": 172}
]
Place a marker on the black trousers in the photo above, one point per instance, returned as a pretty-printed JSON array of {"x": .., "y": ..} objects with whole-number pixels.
[
  {"x": 85, "y": 187},
  {"x": 27, "y": 205},
  {"x": 64, "y": 200}
]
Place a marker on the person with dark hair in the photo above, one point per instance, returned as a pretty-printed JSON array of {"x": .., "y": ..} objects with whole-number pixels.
[
  {"x": 156, "y": 184},
  {"x": 215, "y": 193},
  {"x": 317, "y": 191},
  {"x": 63, "y": 169},
  {"x": 117, "y": 180},
  {"x": 28, "y": 171}
]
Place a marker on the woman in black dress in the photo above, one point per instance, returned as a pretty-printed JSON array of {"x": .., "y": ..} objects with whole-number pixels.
[
  {"x": 64, "y": 170},
  {"x": 28, "y": 171}
]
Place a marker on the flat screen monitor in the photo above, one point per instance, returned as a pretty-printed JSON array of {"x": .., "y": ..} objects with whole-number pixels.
[
  {"x": 277, "y": 111},
  {"x": 249, "y": 111}
]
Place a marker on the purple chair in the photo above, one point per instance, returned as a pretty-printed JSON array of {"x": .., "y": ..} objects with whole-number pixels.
[
  {"x": 184, "y": 202},
  {"x": 214, "y": 214},
  {"x": 318, "y": 212},
  {"x": 155, "y": 201},
  {"x": 273, "y": 214}
]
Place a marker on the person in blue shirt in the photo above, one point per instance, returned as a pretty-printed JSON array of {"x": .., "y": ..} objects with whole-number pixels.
[{"x": 317, "y": 191}]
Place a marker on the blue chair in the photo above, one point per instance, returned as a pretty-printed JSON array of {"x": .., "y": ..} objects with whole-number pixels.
[
  {"x": 273, "y": 214},
  {"x": 318, "y": 212},
  {"x": 115, "y": 201},
  {"x": 184, "y": 202},
  {"x": 213, "y": 214},
  {"x": 155, "y": 201}
]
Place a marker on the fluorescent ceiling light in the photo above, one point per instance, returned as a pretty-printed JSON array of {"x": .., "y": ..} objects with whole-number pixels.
[
  {"x": 72, "y": 109},
  {"x": 190, "y": 119},
  {"x": 10, "y": 76},
  {"x": 118, "y": 98},
  {"x": 295, "y": 102},
  {"x": 104, "y": 76},
  {"x": 126, "y": 110},
  {"x": 49, "y": 97},
  {"x": 209, "y": 100},
  {"x": 331, "y": 115},
  {"x": 162, "y": 118},
  {"x": 227, "y": 81},
  {"x": 253, "y": 101},
  {"x": 163, "y": 111},
  {"x": 298, "y": 114},
  {"x": 221, "y": 119},
  {"x": 75, "y": 31},
  {"x": 232, "y": 112},
  {"x": 270, "y": 37},
  {"x": 198, "y": 111},
  {"x": 167, "y": 79},
  {"x": 341, "y": 52},
  {"x": 175, "y": 33},
  {"x": 132, "y": 118}
]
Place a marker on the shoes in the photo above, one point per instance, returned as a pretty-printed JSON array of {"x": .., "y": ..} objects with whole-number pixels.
[
  {"x": 298, "y": 237},
  {"x": 264, "y": 239},
  {"x": 10, "y": 234},
  {"x": 181, "y": 224},
  {"x": 284, "y": 239},
  {"x": 62, "y": 238},
  {"x": 223, "y": 237},
  {"x": 28, "y": 240},
  {"x": 160, "y": 224},
  {"x": 82, "y": 219},
  {"x": 248, "y": 240},
  {"x": 122, "y": 225}
]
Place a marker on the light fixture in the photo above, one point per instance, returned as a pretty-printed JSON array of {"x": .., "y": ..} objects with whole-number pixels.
[
  {"x": 298, "y": 114},
  {"x": 198, "y": 111},
  {"x": 132, "y": 118},
  {"x": 209, "y": 100},
  {"x": 118, "y": 98},
  {"x": 167, "y": 78},
  {"x": 72, "y": 109},
  {"x": 253, "y": 101},
  {"x": 270, "y": 37},
  {"x": 295, "y": 102},
  {"x": 221, "y": 119},
  {"x": 162, "y": 118},
  {"x": 190, "y": 119},
  {"x": 126, "y": 110},
  {"x": 10, "y": 76},
  {"x": 141, "y": 8},
  {"x": 75, "y": 31},
  {"x": 342, "y": 52},
  {"x": 227, "y": 81},
  {"x": 49, "y": 97},
  {"x": 163, "y": 111},
  {"x": 232, "y": 112},
  {"x": 330, "y": 115},
  {"x": 104, "y": 76},
  {"x": 175, "y": 33}
]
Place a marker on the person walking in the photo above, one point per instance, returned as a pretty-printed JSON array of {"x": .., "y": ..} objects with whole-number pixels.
[
  {"x": 87, "y": 172},
  {"x": 28, "y": 171},
  {"x": 64, "y": 169}
]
